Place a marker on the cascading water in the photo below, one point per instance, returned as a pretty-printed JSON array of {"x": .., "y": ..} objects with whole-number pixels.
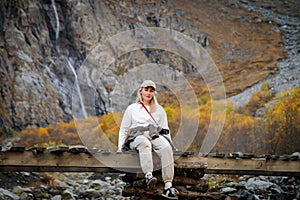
[
  {"x": 78, "y": 89},
  {"x": 57, "y": 20}
]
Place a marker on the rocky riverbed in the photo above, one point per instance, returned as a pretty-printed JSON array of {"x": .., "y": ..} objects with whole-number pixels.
[
  {"x": 87, "y": 186},
  {"x": 58, "y": 186},
  {"x": 255, "y": 188}
]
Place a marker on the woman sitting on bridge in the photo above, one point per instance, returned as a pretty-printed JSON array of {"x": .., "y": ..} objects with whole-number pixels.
[{"x": 144, "y": 128}]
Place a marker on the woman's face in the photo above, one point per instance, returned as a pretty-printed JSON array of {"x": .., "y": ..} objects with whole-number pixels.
[{"x": 147, "y": 94}]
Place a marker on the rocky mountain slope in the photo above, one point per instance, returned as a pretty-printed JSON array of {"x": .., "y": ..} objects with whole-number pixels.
[{"x": 44, "y": 43}]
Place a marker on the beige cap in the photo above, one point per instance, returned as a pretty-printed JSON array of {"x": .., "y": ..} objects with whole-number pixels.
[{"x": 148, "y": 83}]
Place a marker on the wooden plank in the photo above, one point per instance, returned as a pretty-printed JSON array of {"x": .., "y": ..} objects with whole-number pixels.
[
  {"x": 69, "y": 160},
  {"x": 253, "y": 166},
  {"x": 66, "y": 161}
]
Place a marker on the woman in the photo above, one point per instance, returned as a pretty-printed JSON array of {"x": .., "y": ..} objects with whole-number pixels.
[{"x": 141, "y": 130}]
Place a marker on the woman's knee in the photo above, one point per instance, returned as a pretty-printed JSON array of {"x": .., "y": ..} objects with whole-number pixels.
[
  {"x": 168, "y": 148},
  {"x": 143, "y": 143},
  {"x": 163, "y": 145}
]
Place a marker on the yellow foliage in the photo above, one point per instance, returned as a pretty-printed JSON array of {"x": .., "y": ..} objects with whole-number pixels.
[
  {"x": 43, "y": 135},
  {"x": 278, "y": 131},
  {"x": 282, "y": 122},
  {"x": 170, "y": 113}
]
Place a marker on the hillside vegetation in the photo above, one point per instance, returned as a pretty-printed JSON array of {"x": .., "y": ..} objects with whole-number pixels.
[{"x": 276, "y": 132}]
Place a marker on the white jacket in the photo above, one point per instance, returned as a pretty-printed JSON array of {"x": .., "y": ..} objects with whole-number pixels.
[{"x": 136, "y": 116}]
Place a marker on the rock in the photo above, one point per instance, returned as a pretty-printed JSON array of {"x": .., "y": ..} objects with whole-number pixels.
[
  {"x": 99, "y": 183},
  {"x": 253, "y": 197},
  {"x": 254, "y": 184},
  {"x": 108, "y": 179},
  {"x": 227, "y": 190},
  {"x": 56, "y": 197},
  {"x": 19, "y": 190},
  {"x": 241, "y": 194},
  {"x": 276, "y": 189},
  {"x": 295, "y": 156},
  {"x": 118, "y": 191},
  {"x": 120, "y": 183},
  {"x": 68, "y": 194},
  {"x": 26, "y": 196},
  {"x": 92, "y": 193},
  {"x": 200, "y": 187},
  {"x": 232, "y": 184},
  {"x": 5, "y": 194}
]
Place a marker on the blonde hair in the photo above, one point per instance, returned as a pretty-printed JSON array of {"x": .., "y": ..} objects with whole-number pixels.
[{"x": 153, "y": 101}]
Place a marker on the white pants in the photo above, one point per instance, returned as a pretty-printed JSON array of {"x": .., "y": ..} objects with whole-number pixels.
[{"x": 144, "y": 145}]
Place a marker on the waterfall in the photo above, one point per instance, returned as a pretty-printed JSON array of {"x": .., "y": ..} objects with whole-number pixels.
[
  {"x": 57, "y": 20},
  {"x": 78, "y": 89}
]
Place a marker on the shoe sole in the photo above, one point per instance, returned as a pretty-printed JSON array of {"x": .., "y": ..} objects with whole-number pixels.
[
  {"x": 152, "y": 183},
  {"x": 169, "y": 197}
]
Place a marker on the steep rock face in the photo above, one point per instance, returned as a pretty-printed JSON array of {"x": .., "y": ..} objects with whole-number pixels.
[
  {"x": 41, "y": 41},
  {"x": 36, "y": 53},
  {"x": 26, "y": 86}
]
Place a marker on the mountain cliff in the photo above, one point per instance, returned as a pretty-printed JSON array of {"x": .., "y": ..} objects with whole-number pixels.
[{"x": 44, "y": 43}]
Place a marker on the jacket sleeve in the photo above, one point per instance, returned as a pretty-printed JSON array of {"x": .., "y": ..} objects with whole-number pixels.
[{"x": 124, "y": 128}]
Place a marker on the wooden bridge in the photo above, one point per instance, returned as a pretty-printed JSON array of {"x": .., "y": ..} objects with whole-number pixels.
[{"x": 81, "y": 159}]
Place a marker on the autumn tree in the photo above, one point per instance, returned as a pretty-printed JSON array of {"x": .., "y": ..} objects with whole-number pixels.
[
  {"x": 43, "y": 135},
  {"x": 282, "y": 123},
  {"x": 237, "y": 134}
]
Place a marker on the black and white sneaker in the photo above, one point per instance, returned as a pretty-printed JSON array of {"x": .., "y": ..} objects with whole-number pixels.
[
  {"x": 151, "y": 182},
  {"x": 170, "y": 193}
]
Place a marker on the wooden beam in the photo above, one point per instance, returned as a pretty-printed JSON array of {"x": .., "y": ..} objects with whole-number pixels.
[
  {"x": 113, "y": 162},
  {"x": 253, "y": 166},
  {"x": 67, "y": 161}
]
